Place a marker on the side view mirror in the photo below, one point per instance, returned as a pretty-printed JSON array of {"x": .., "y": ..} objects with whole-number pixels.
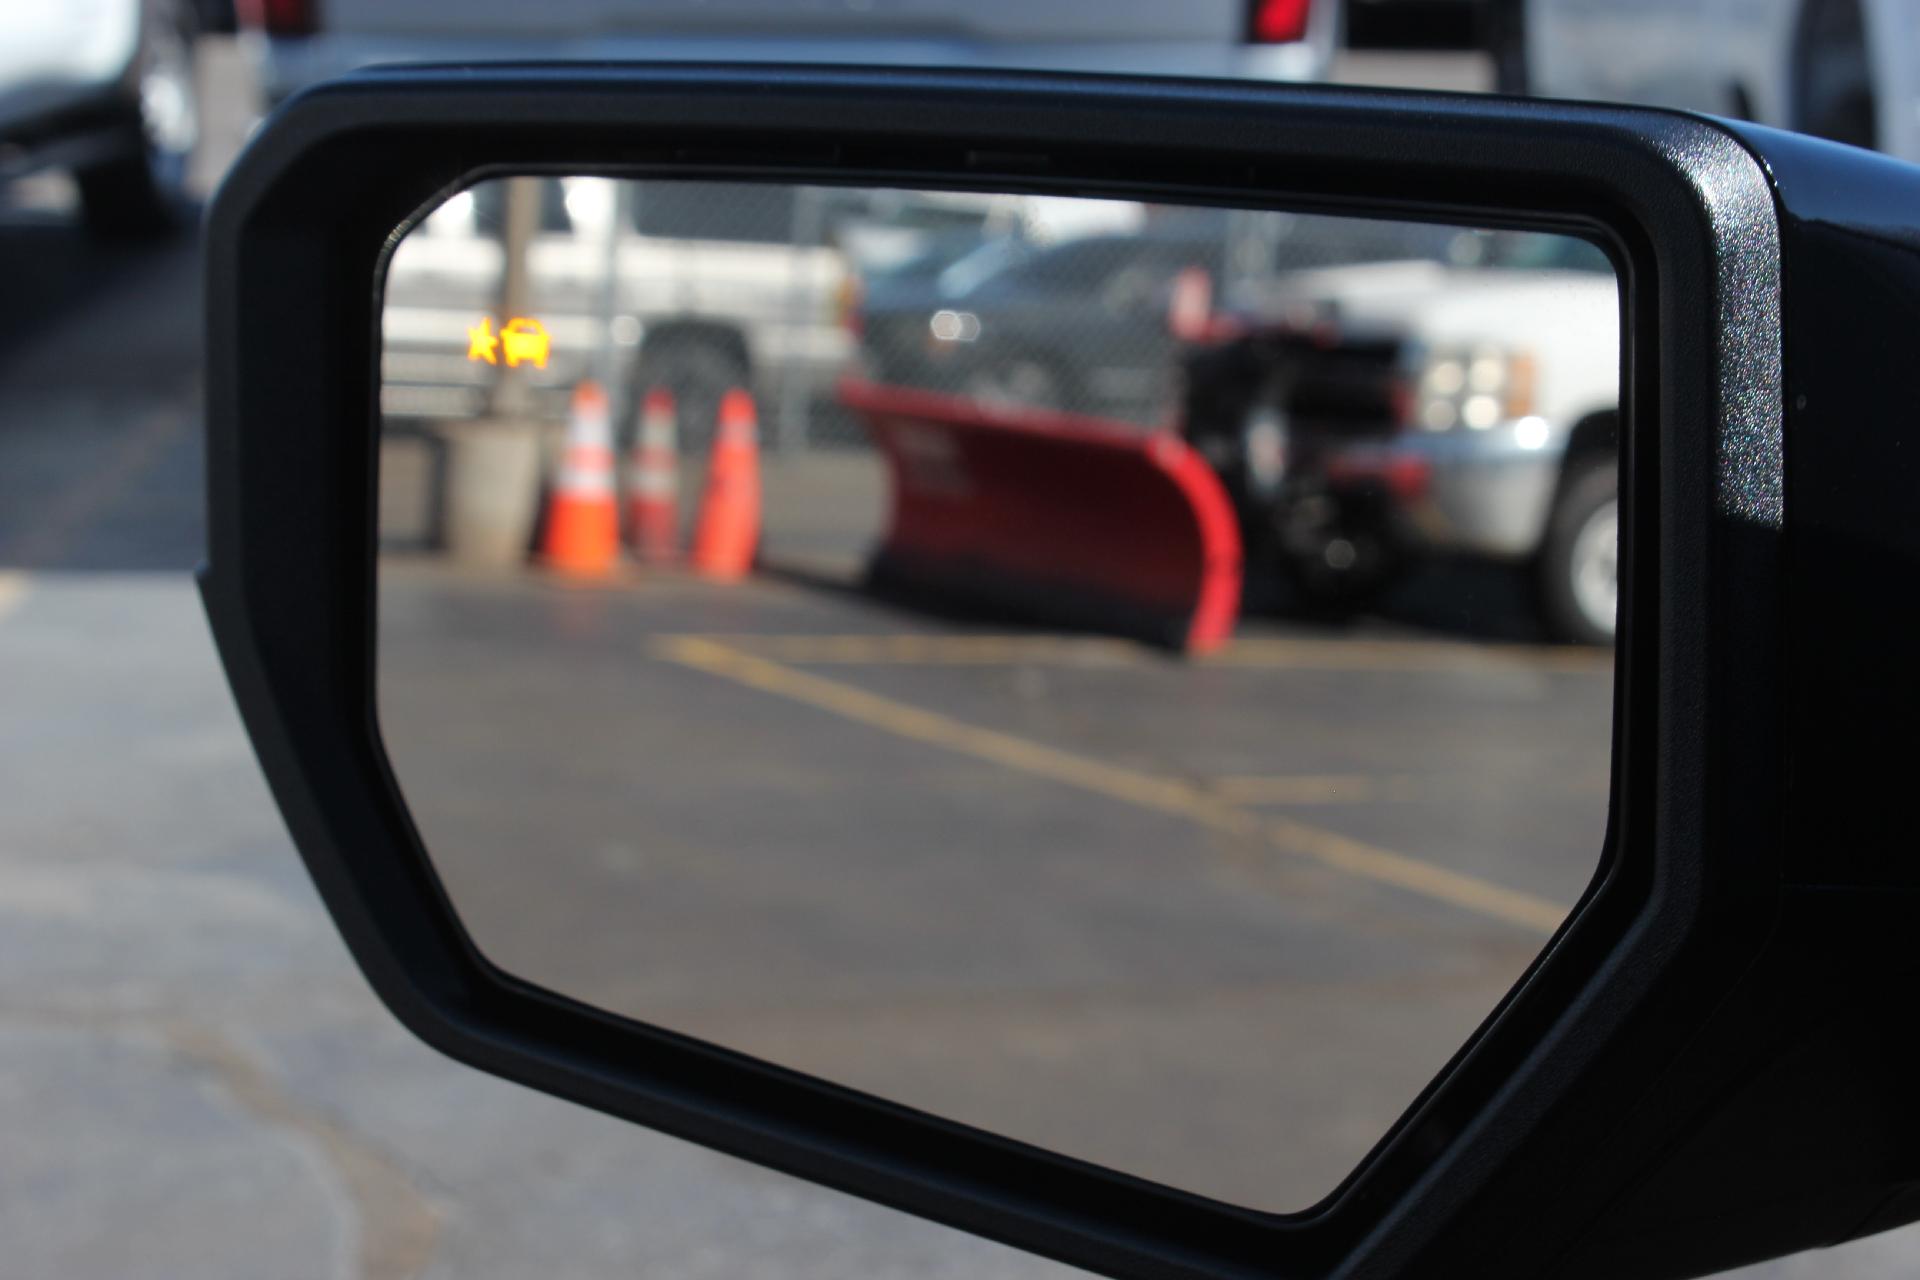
[{"x": 968, "y": 805}]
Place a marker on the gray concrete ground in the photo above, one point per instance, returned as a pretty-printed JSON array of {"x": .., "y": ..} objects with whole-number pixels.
[{"x": 194, "y": 1082}]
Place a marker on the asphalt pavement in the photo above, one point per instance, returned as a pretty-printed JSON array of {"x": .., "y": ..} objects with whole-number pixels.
[
  {"x": 195, "y": 1082},
  {"x": 1034, "y": 881}
]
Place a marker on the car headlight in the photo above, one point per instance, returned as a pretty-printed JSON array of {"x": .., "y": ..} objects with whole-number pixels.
[
  {"x": 954, "y": 326},
  {"x": 1472, "y": 387}
]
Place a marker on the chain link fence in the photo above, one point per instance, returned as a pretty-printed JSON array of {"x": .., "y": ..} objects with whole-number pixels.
[{"x": 1073, "y": 305}]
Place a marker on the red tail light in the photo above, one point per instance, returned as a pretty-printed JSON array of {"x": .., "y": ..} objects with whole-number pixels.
[
  {"x": 279, "y": 17},
  {"x": 1278, "y": 21},
  {"x": 1400, "y": 402},
  {"x": 1190, "y": 310}
]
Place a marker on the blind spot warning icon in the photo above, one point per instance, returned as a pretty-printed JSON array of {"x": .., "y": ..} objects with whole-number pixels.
[
  {"x": 481, "y": 344},
  {"x": 524, "y": 341},
  {"x": 520, "y": 340}
]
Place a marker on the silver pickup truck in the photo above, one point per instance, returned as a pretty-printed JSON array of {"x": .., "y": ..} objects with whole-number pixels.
[{"x": 1464, "y": 405}]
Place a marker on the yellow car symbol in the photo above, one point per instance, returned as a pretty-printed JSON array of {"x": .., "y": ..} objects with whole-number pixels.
[{"x": 524, "y": 340}]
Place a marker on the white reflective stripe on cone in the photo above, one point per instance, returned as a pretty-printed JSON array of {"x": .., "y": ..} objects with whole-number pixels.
[
  {"x": 590, "y": 431},
  {"x": 585, "y": 483},
  {"x": 586, "y": 468},
  {"x": 588, "y": 435}
]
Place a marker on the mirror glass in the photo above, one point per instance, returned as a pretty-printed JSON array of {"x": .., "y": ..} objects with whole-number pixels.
[{"x": 1130, "y": 678}]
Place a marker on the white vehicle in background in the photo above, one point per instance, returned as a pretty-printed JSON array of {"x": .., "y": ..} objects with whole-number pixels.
[
  {"x": 301, "y": 42},
  {"x": 694, "y": 288},
  {"x": 1458, "y": 407},
  {"x": 1842, "y": 69},
  {"x": 106, "y": 90}
]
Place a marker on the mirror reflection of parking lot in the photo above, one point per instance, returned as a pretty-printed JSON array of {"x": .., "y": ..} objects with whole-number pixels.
[{"x": 1156, "y": 758}]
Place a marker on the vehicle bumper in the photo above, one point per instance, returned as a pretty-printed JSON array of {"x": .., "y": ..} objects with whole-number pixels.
[{"x": 1485, "y": 493}]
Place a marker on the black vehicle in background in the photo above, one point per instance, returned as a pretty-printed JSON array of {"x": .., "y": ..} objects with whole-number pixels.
[
  {"x": 1088, "y": 324},
  {"x": 1078, "y": 326}
]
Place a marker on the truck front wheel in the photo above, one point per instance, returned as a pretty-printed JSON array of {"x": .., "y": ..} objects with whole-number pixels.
[
  {"x": 1579, "y": 566},
  {"x": 140, "y": 192}
]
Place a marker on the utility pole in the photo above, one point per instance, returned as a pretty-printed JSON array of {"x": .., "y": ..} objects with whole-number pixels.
[
  {"x": 494, "y": 462},
  {"x": 806, "y": 234},
  {"x": 512, "y": 398},
  {"x": 607, "y": 303}
]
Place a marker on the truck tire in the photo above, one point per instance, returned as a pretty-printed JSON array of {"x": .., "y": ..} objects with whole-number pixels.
[
  {"x": 141, "y": 193},
  {"x": 1342, "y": 580},
  {"x": 699, "y": 370},
  {"x": 1578, "y": 568}
]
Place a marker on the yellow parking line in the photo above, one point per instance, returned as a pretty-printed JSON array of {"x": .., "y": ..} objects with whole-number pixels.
[
  {"x": 13, "y": 589},
  {"x": 1407, "y": 655},
  {"x": 1130, "y": 786},
  {"x": 1393, "y": 788},
  {"x": 927, "y": 649},
  {"x": 932, "y": 649},
  {"x": 1315, "y": 788}
]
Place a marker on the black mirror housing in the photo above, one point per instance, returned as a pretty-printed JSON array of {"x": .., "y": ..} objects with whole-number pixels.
[{"x": 1709, "y": 1061}]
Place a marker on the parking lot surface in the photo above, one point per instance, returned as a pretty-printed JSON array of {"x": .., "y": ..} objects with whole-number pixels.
[{"x": 1213, "y": 922}]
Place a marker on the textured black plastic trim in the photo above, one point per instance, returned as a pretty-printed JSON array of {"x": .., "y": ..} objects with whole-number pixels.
[{"x": 1546, "y": 1094}]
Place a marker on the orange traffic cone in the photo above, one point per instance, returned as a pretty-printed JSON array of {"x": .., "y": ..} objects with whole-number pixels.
[
  {"x": 583, "y": 520},
  {"x": 653, "y": 481},
  {"x": 729, "y": 528}
]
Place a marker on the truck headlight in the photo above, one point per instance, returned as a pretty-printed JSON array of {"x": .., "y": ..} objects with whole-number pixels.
[{"x": 1472, "y": 387}]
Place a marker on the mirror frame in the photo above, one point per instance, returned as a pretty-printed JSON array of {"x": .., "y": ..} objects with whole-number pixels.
[{"x": 1546, "y": 1095}]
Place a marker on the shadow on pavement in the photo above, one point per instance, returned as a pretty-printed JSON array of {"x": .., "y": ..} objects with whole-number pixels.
[
  {"x": 1452, "y": 599},
  {"x": 100, "y": 450},
  {"x": 1447, "y": 600}
]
